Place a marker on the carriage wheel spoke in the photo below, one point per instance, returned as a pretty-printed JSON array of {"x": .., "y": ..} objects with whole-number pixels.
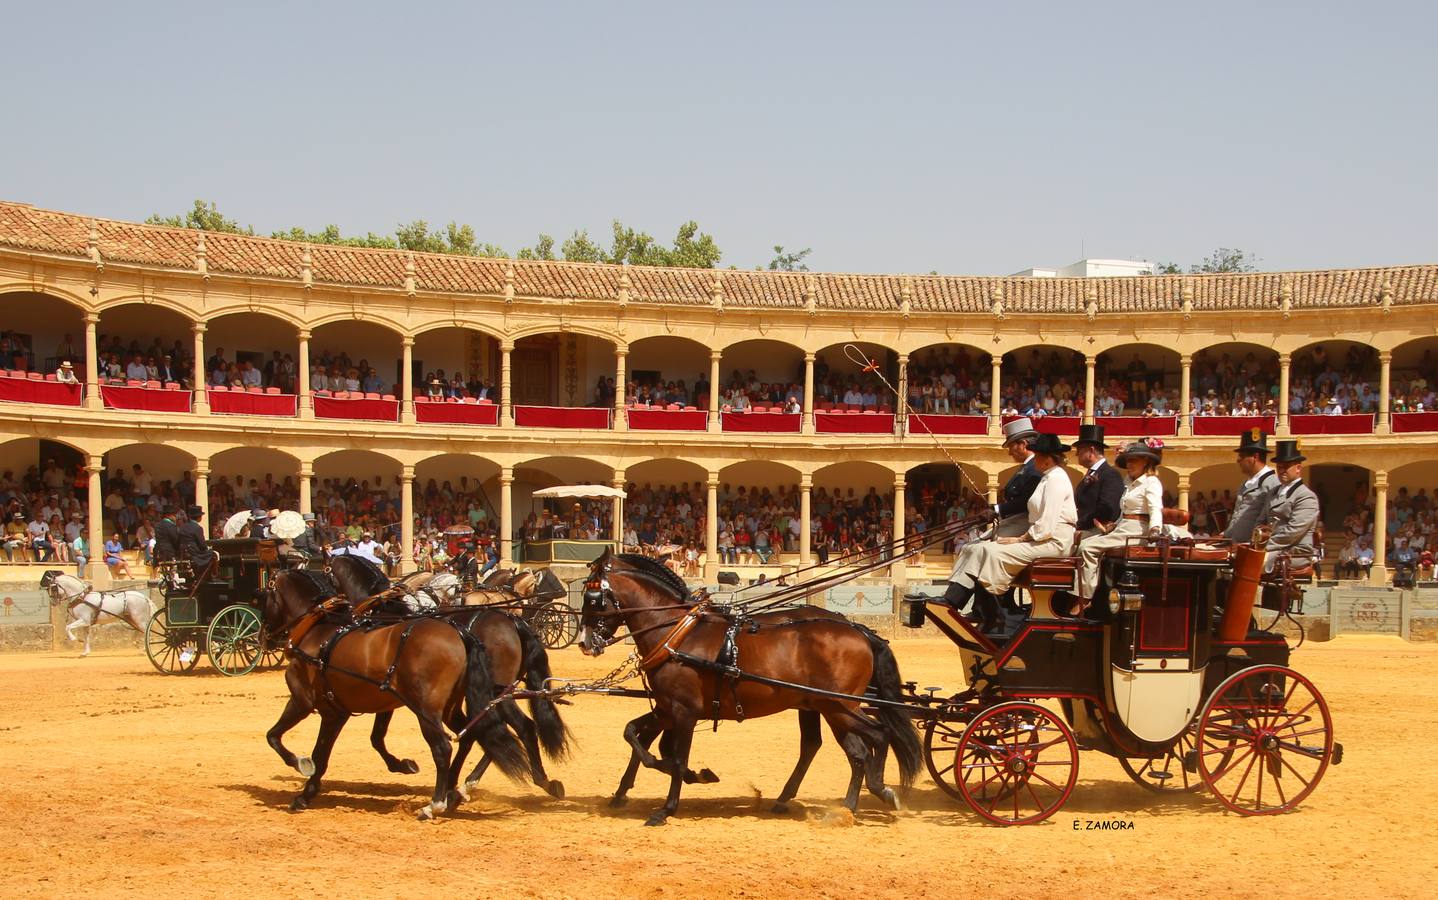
[
  {"x": 1253, "y": 758},
  {"x": 1311, "y": 703},
  {"x": 1232, "y": 764},
  {"x": 1302, "y": 779}
]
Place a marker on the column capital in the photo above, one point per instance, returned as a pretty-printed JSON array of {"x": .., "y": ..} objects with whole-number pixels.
[
  {"x": 1184, "y": 480},
  {"x": 506, "y": 475},
  {"x": 506, "y": 346},
  {"x": 903, "y": 359},
  {"x": 1385, "y": 356},
  {"x": 94, "y": 468},
  {"x": 806, "y": 481},
  {"x": 407, "y": 341},
  {"x": 713, "y": 482},
  {"x": 202, "y": 468},
  {"x": 716, "y": 355},
  {"x": 92, "y": 318},
  {"x": 1090, "y": 360},
  {"x": 618, "y": 479},
  {"x": 1380, "y": 480},
  {"x": 199, "y": 327},
  {"x": 304, "y": 334},
  {"x": 899, "y": 480},
  {"x": 1285, "y": 358},
  {"x": 406, "y": 473},
  {"x": 1185, "y": 360},
  {"x": 621, "y": 350},
  {"x": 307, "y": 470},
  {"x": 810, "y": 357}
]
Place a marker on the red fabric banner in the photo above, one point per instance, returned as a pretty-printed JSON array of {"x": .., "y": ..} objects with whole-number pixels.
[
  {"x": 26, "y": 390},
  {"x": 1137, "y": 426},
  {"x": 561, "y": 417},
  {"x": 1064, "y": 425},
  {"x": 372, "y": 410},
  {"x": 668, "y": 419},
  {"x": 429, "y": 413},
  {"x": 933, "y": 424},
  {"x": 1213, "y": 426},
  {"x": 242, "y": 403},
  {"x": 787, "y": 423},
  {"x": 1407, "y": 423},
  {"x": 145, "y": 399},
  {"x": 1359, "y": 423},
  {"x": 843, "y": 423}
]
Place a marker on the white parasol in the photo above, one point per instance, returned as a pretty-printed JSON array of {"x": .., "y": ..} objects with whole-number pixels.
[
  {"x": 579, "y": 490},
  {"x": 288, "y": 525},
  {"x": 236, "y": 523}
]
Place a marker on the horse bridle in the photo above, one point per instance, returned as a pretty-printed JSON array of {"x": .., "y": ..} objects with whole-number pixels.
[{"x": 598, "y": 594}]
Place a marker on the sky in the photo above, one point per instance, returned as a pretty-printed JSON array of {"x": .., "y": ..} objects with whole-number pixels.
[{"x": 961, "y": 137}]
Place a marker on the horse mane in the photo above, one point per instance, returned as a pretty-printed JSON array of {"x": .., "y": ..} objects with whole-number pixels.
[
  {"x": 322, "y": 584},
  {"x": 657, "y": 570},
  {"x": 378, "y": 580}
]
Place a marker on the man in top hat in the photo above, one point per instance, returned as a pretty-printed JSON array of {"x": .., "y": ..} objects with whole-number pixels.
[
  {"x": 1292, "y": 510},
  {"x": 1251, "y": 506},
  {"x": 1012, "y": 508},
  {"x": 167, "y": 538},
  {"x": 985, "y": 569},
  {"x": 193, "y": 545},
  {"x": 305, "y": 544},
  {"x": 259, "y": 524},
  {"x": 465, "y": 564},
  {"x": 1100, "y": 491}
]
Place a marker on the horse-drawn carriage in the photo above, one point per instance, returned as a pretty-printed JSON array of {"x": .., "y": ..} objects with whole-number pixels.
[
  {"x": 217, "y": 612},
  {"x": 1184, "y": 697}
]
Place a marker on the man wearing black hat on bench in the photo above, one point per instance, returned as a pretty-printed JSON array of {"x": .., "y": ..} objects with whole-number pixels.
[
  {"x": 1100, "y": 491},
  {"x": 193, "y": 545},
  {"x": 1292, "y": 510},
  {"x": 1250, "y": 509}
]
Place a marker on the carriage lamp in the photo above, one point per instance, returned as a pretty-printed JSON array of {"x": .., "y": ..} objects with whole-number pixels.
[{"x": 1126, "y": 597}]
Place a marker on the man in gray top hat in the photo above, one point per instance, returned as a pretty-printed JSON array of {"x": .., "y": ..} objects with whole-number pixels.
[
  {"x": 1251, "y": 506},
  {"x": 306, "y": 544},
  {"x": 1292, "y": 510}
]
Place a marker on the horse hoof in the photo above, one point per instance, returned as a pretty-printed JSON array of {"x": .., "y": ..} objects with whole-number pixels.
[
  {"x": 425, "y": 814},
  {"x": 462, "y": 792},
  {"x": 454, "y": 799},
  {"x": 305, "y": 766},
  {"x": 408, "y": 767},
  {"x": 555, "y": 789},
  {"x": 298, "y": 804},
  {"x": 658, "y": 818},
  {"x": 618, "y": 802},
  {"x": 707, "y": 776},
  {"x": 892, "y": 799}
]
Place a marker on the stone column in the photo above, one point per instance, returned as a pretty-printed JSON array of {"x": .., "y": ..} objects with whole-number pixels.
[
  {"x": 306, "y": 400},
  {"x": 506, "y": 411},
  {"x": 621, "y": 422},
  {"x": 1183, "y": 489},
  {"x": 92, "y": 363},
  {"x": 307, "y": 478},
  {"x": 99, "y": 572},
  {"x": 506, "y": 502},
  {"x": 1385, "y": 419},
  {"x": 617, "y": 526},
  {"x": 714, "y": 357},
  {"x": 806, "y": 535},
  {"x": 711, "y": 530},
  {"x": 202, "y": 492},
  {"x": 995, "y": 404},
  {"x": 901, "y": 402},
  {"x": 1089, "y": 400},
  {"x": 202, "y": 399},
  {"x": 406, "y": 515},
  {"x": 406, "y": 380},
  {"x": 808, "y": 424},
  {"x": 991, "y": 481},
  {"x": 1379, "y": 573},
  {"x": 899, "y": 571},
  {"x": 1185, "y": 395},
  {"x": 1284, "y": 361}
]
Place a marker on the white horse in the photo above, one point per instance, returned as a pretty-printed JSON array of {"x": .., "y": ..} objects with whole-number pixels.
[
  {"x": 89, "y": 607},
  {"x": 441, "y": 590}
]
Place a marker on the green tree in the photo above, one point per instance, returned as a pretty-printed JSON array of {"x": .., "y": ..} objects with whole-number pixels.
[
  {"x": 578, "y": 247},
  {"x": 331, "y": 235},
  {"x": 1168, "y": 268},
  {"x": 203, "y": 217},
  {"x": 788, "y": 262},
  {"x": 1225, "y": 260},
  {"x": 542, "y": 249}
]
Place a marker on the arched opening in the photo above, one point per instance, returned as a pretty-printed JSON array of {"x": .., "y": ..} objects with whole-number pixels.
[
  {"x": 1039, "y": 381},
  {"x": 757, "y": 501},
  {"x": 142, "y": 482},
  {"x": 1335, "y": 375},
  {"x": 465, "y": 362},
  {"x": 581, "y": 521},
  {"x": 565, "y": 369},
  {"x": 1134, "y": 379},
  {"x": 854, "y": 505},
  {"x": 1235, "y": 378},
  {"x": 1413, "y": 515},
  {"x": 40, "y": 331},
  {"x": 145, "y": 342},
  {"x": 667, "y": 508},
  {"x": 938, "y": 493},
  {"x": 456, "y": 489},
  {"x": 354, "y": 491},
  {"x": 355, "y": 356},
  {"x": 761, "y": 372},
  {"x": 263, "y": 350},
  {"x": 42, "y": 482},
  {"x": 950, "y": 378},
  {"x": 1413, "y": 376},
  {"x": 666, "y": 370},
  {"x": 838, "y": 379},
  {"x": 248, "y": 478}
]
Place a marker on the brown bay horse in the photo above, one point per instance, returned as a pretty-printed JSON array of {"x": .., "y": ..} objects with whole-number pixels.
[
  {"x": 439, "y": 672},
  {"x": 515, "y": 652},
  {"x": 680, "y": 643}
]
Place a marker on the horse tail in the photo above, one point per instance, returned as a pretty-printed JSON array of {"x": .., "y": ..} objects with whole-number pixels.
[
  {"x": 502, "y": 747},
  {"x": 553, "y": 735},
  {"x": 887, "y": 684}
]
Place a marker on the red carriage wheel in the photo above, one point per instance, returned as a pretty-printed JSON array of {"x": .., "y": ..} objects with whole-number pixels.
[
  {"x": 1265, "y": 738},
  {"x": 1017, "y": 763}
]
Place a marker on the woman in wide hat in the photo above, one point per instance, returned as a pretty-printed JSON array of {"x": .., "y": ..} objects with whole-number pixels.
[
  {"x": 1140, "y": 509},
  {"x": 987, "y": 568}
]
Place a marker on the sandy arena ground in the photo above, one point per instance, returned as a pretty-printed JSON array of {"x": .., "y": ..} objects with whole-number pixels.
[{"x": 122, "y": 781}]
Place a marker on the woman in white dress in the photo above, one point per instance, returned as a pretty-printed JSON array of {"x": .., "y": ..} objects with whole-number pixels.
[{"x": 1141, "y": 510}]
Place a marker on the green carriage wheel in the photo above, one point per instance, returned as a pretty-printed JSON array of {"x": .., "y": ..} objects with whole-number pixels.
[
  {"x": 235, "y": 640},
  {"x": 172, "y": 650},
  {"x": 556, "y": 624}
]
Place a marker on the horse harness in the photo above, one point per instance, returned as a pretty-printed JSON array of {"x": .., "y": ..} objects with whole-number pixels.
[{"x": 83, "y": 599}]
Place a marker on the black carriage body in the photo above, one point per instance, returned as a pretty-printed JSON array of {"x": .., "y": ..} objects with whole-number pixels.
[{"x": 239, "y": 576}]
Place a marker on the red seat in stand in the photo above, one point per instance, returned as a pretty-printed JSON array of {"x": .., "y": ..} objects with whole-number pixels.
[{"x": 272, "y": 390}]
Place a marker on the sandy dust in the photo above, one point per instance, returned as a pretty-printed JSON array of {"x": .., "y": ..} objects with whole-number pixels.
[{"x": 123, "y": 781}]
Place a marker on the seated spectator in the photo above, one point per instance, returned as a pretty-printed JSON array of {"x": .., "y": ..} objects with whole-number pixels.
[
  {"x": 17, "y": 538},
  {"x": 66, "y": 373},
  {"x": 113, "y": 558}
]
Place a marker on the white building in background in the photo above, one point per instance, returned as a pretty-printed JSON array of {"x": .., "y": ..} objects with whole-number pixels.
[{"x": 1093, "y": 268}]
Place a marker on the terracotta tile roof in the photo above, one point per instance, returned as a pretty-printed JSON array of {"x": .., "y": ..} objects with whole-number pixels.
[{"x": 24, "y": 227}]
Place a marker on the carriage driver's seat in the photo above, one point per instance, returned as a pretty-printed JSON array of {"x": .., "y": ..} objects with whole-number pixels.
[{"x": 1052, "y": 586}]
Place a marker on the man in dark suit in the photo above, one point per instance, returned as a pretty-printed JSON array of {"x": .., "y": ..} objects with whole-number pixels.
[
  {"x": 1100, "y": 491},
  {"x": 167, "y": 539},
  {"x": 193, "y": 545}
]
